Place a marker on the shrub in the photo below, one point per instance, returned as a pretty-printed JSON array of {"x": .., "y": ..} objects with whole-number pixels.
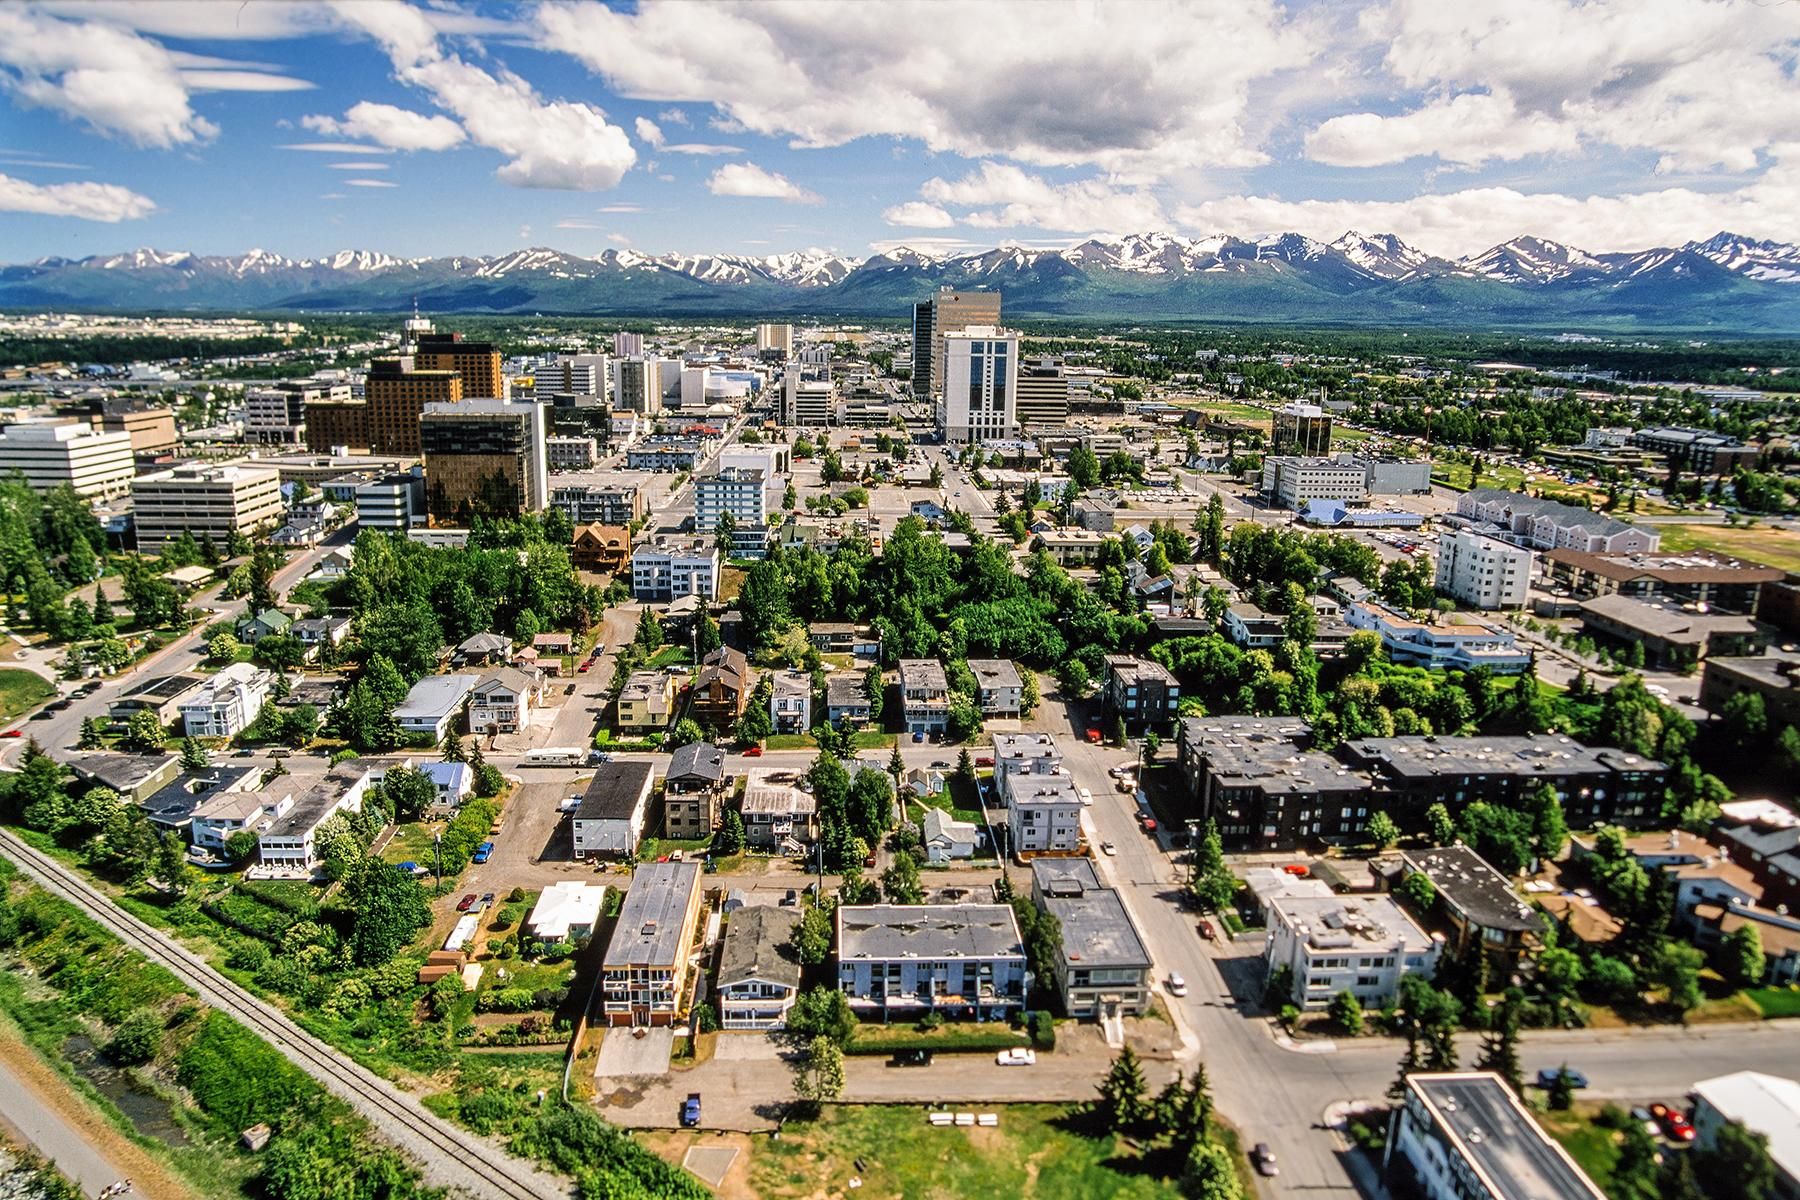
[
  {"x": 136, "y": 1040},
  {"x": 1043, "y": 1030},
  {"x": 238, "y": 1078}
]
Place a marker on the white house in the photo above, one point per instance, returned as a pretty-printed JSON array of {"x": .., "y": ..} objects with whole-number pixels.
[
  {"x": 759, "y": 977},
  {"x": 234, "y": 809},
  {"x": 610, "y": 819},
  {"x": 1356, "y": 944},
  {"x": 453, "y": 781},
  {"x": 287, "y": 844},
  {"x": 502, "y": 701},
  {"x": 434, "y": 703},
  {"x": 790, "y": 701},
  {"x": 225, "y": 705},
  {"x": 566, "y": 910},
  {"x": 999, "y": 691},
  {"x": 946, "y": 838}
]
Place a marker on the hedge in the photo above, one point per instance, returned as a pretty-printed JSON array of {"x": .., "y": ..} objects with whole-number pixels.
[{"x": 948, "y": 1040}]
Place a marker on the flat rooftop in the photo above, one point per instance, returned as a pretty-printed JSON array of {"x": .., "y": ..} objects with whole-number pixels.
[
  {"x": 1096, "y": 929},
  {"x": 1469, "y": 884},
  {"x": 758, "y": 946},
  {"x": 651, "y": 924},
  {"x": 1523, "y": 754},
  {"x": 893, "y": 931},
  {"x": 615, "y": 791},
  {"x": 1497, "y": 1137}
]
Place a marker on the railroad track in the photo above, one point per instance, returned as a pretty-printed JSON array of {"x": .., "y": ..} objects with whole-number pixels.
[{"x": 449, "y": 1156}]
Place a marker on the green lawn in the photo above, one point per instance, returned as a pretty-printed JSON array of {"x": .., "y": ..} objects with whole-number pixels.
[
  {"x": 1456, "y": 475},
  {"x": 21, "y": 691},
  {"x": 868, "y": 739},
  {"x": 1776, "y": 1002},
  {"x": 1759, "y": 543},
  {"x": 410, "y": 843},
  {"x": 949, "y": 1038},
  {"x": 1034, "y": 1154},
  {"x": 1594, "y": 1149}
]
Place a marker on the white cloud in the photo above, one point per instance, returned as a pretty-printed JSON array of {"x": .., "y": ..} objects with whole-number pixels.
[
  {"x": 1699, "y": 83},
  {"x": 702, "y": 148},
  {"x": 1138, "y": 90},
  {"x": 396, "y": 128},
  {"x": 618, "y": 239},
  {"x": 359, "y": 166},
  {"x": 106, "y": 202},
  {"x": 748, "y": 179},
  {"x": 1467, "y": 130},
  {"x": 620, "y": 208},
  {"x": 1459, "y": 223},
  {"x": 577, "y": 223},
  {"x": 370, "y": 183},
  {"x": 648, "y": 131},
  {"x": 1028, "y": 201},
  {"x": 333, "y": 148},
  {"x": 548, "y": 144},
  {"x": 672, "y": 116},
  {"x": 114, "y": 80},
  {"x": 242, "y": 81},
  {"x": 919, "y": 215}
]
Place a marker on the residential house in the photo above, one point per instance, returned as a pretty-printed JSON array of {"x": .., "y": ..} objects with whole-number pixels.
[
  {"x": 838, "y": 638},
  {"x": 693, "y": 791},
  {"x": 778, "y": 816},
  {"x": 948, "y": 840},
  {"x": 219, "y": 802},
  {"x": 226, "y": 704},
  {"x": 288, "y": 844},
  {"x": 610, "y": 818},
  {"x": 1764, "y": 1104},
  {"x": 1142, "y": 693},
  {"x": 502, "y": 700},
  {"x": 922, "y": 782},
  {"x": 925, "y": 695},
  {"x": 483, "y": 649},
  {"x": 1070, "y": 547},
  {"x": 1479, "y": 904},
  {"x": 434, "y": 704},
  {"x": 270, "y": 622},
  {"x": 566, "y": 911},
  {"x": 790, "y": 702},
  {"x": 1251, "y": 628},
  {"x": 955, "y": 960},
  {"x": 999, "y": 691},
  {"x": 846, "y": 699},
  {"x": 454, "y": 782},
  {"x": 321, "y": 635},
  {"x": 600, "y": 547},
  {"x": 644, "y": 976},
  {"x": 1102, "y": 966},
  {"x": 759, "y": 974},
  {"x": 647, "y": 701},
  {"x": 1357, "y": 944},
  {"x": 721, "y": 689}
]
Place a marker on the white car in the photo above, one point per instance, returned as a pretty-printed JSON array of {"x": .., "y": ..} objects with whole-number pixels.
[
  {"x": 1120, "y": 770},
  {"x": 1086, "y": 796},
  {"x": 1108, "y": 848},
  {"x": 1018, "y": 1056},
  {"x": 1176, "y": 984}
]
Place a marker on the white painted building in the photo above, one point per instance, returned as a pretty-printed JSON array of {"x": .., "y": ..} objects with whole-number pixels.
[
  {"x": 980, "y": 396},
  {"x": 740, "y": 491},
  {"x": 50, "y": 454},
  {"x": 205, "y": 498},
  {"x": 225, "y": 704},
  {"x": 1356, "y": 944},
  {"x": 662, "y": 571},
  {"x": 1483, "y": 572},
  {"x": 289, "y": 843}
]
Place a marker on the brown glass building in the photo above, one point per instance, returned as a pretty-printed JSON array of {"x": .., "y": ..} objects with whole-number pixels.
[
  {"x": 482, "y": 458},
  {"x": 478, "y": 363},
  {"x": 397, "y": 393},
  {"x": 331, "y": 423}
]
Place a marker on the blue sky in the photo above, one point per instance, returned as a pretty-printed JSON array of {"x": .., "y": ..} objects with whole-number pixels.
[{"x": 762, "y": 128}]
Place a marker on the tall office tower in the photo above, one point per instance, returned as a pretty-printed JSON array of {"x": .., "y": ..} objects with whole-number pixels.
[
  {"x": 628, "y": 345},
  {"x": 775, "y": 341},
  {"x": 50, "y": 454},
  {"x": 577, "y": 375},
  {"x": 1043, "y": 393},
  {"x": 637, "y": 385},
  {"x": 1300, "y": 429},
  {"x": 694, "y": 382},
  {"x": 397, "y": 393},
  {"x": 948, "y": 312},
  {"x": 980, "y": 395},
  {"x": 483, "y": 458},
  {"x": 275, "y": 415},
  {"x": 333, "y": 425},
  {"x": 477, "y": 362}
]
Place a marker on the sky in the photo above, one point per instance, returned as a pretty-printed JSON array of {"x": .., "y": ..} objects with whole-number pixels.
[{"x": 852, "y": 126}]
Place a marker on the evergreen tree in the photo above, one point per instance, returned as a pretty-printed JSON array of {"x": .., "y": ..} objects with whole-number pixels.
[
  {"x": 453, "y": 749},
  {"x": 1443, "y": 828},
  {"x": 194, "y": 756},
  {"x": 103, "y": 613},
  {"x": 1122, "y": 1106},
  {"x": 729, "y": 839},
  {"x": 1561, "y": 1094},
  {"x": 1500, "y": 1045},
  {"x": 1744, "y": 960},
  {"x": 90, "y": 734}
]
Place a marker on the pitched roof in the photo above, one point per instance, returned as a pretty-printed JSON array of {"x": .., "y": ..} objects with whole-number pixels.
[
  {"x": 756, "y": 947},
  {"x": 698, "y": 760}
]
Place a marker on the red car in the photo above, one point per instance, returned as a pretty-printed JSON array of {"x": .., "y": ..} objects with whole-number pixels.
[
  {"x": 582, "y": 669},
  {"x": 12, "y": 733},
  {"x": 986, "y": 760},
  {"x": 466, "y": 903},
  {"x": 1674, "y": 1123},
  {"x": 1093, "y": 735},
  {"x": 753, "y": 752},
  {"x": 1207, "y": 931},
  {"x": 1149, "y": 824},
  {"x": 869, "y": 861},
  {"x": 1298, "y": 870}
]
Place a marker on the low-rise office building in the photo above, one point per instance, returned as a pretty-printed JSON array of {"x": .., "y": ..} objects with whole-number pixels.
[
  {"x": 1673, "y": 636},
  {"x": 1459, "y": 644},
  {"x": 225, "y": 704},
  {"x": 610, "y": 818},
  {"x": 50, "y": 454},
  {"x": 1698, "y": 450},
  {"x": 645, "y": 977},
  {"x": 1466, "y": 1136},
  {"x": 958, "y": 960},
  {"x": 1102, "y": 967},
  {"x": 1774, "y": 677},
  {"x": 216, "y": 499},
  {"x": 1722, "y": 583}
]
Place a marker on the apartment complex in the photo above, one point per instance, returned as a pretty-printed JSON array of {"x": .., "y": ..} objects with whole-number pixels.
[
  {"x": 599, "y": 504},
  {"x": 610, "y": 818},
  {"x": 219, "y": 499},
  {"x": 948, "y": 312},
  {"x": 1551, "y": 525},
  {"x": 980, "y": 394},
  {"x": 759, "y": 974},
  {"x": 224, "y": 705},
  {"x": 482, "y": 458},
  {"x": 1482, "y": 572},
  {"x": 1774, "y": 677},
  {"x": 1698, "y": 450},
  {"x": 1102, "y": 967},
  {"x": 924, "y": 695},
  {"x": 1362, "y": 945},
  {"x": 999, "y": 689},
  {"x": 644, "y": 976},
  {"x": 739, "y": 491},
  {"x": 51, "y": 454},
  {"x": 1140, "y": 692},
  {"x": 666, "y": 570},
  {"x": 956, "y": 960},
  {"x": 1466, "y": 1136}
]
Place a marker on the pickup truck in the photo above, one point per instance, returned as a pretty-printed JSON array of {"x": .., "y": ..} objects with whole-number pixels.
[{"x": 690, "y": 1111}]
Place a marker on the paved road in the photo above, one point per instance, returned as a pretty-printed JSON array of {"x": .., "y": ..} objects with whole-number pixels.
[
  {"x": 449, "y": 1157},
  {"x": 45, "y": 1131}
]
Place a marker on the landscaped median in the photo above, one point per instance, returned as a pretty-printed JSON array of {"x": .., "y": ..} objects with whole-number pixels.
[{"x": 946, "y": 1039}]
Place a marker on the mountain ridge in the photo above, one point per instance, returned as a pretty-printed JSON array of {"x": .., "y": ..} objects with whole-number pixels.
[{"x": 1727, "y": 281}]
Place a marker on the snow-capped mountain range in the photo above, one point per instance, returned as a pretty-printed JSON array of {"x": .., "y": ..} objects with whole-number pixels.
[{"x": 1726, "y": 281}]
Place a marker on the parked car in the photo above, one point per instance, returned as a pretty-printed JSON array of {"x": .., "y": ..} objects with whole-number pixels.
[
  {"x": 690, "y": 1111},
  {"x": 482, "y": 852},
  {"x": 869, "y": 860},
  {"x": 1176, "y": 984},
  {"x": 985, "y": 760},
  {"x": 466, "y": 903},
  {"x": 598, "y": 756},
  {"x": 1120, "y": 770},
  {"x": 1086, "y": 796},
  {"x": 487, "y": 900},
  {"x": 1108, "y": 848},
  {"x": 1093, "y": 736},
  {"x": 911, "y": 1058},
  {"x": 1672, "y": 1123},
  {"x": 1263, "y": 1159},
  {"x": 1148, "y": 823},
  {"x": 792, "y": 897},
  {"x": 13, "y": 733},
  {"x": 1298, "y": 870},
  {"x": 753, "y": 752},
  {"x": 1207, "y": 931},
  {"x": 1017, "y": 1056},
  {"x": 1546, "y": 1078},
  {"x": 1643, "y": 1118}
]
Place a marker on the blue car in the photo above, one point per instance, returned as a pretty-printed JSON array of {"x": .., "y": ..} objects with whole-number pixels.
[
  {"x": 1546, "y": 1078},
  {"x": 411, "y": 868},
  {"x": 483, "y": 851}
]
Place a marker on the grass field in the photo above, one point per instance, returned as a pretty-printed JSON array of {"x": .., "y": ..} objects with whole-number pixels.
[
  {"x": 1456, "y": 475},
  {"x": 1776, "y": 1002},
  {"x": 1034, "y": 1154},
  {"x": 1230, "y": 410},
  {"x": 21, "y": 690},
  {"x": 1593, "y": 1148},
  {"x": 1760, "y": 543}
]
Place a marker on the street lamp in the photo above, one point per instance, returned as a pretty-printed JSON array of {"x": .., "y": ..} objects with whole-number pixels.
[
  {"x": 437, "y": 856},
  {"x": 1193, "y": 827}
]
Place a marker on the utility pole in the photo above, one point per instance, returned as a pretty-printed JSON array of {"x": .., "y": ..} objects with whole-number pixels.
[
  {"x": 1193, "y": 850},
  {"x": 437, "y": 856}
]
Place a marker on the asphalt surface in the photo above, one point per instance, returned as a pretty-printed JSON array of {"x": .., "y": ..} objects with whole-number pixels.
[{"x": 51, "y": 1136}]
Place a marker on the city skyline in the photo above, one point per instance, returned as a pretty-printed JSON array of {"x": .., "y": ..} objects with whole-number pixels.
[{"x": 482, "y": 128}]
